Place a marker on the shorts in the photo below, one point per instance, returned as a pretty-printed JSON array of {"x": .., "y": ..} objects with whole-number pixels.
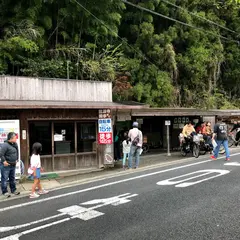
[{"x": 38, "y": 174}]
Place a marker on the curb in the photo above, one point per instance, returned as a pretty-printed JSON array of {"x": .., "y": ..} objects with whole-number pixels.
[{"x": 112, "y": 175}]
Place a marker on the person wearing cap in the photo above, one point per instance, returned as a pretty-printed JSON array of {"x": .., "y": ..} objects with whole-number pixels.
[
  {"x": 136, "y": 138},
  {"x": 220, "y": 132},
  {"x": 9, "y": 156}
]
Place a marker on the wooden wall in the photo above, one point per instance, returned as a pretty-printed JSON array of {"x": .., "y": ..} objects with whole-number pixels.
[
  {"x": 24, "y": 88},
  {"x": 64, "y": 162}
]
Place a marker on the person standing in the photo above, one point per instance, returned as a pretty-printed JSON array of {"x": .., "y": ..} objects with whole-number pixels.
[
  {"x": 117, "y": 151},
  {"x": 136, "y": 138},
  {"x": 9, "y": 156},
  {"x": 220, "y": 132},
  {"x": 126, "y": 150},
  {"x": 36, "y": 168}
]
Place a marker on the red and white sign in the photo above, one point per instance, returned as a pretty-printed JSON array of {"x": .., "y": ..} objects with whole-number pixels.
[{"x": 105, "y": 138}]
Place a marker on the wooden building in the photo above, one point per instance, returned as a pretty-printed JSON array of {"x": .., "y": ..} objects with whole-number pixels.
[
  {"x": 62, "y": 115},
  {"x": 152, "y": 121}
]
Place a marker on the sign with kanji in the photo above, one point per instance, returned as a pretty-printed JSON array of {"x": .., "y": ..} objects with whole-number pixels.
[
  {"x": 105, "y": 125},
  {"x": 105, "y": 131},
  {"x": 105, "y": 138}
]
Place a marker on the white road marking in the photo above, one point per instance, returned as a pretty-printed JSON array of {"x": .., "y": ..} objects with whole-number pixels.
[
  {"x": 232, "y": 164},
  {"x": 109, "y": 201},
  {"x": 18, "y": 235},
  {"x": 7, "y": 229},
  {"x": 76, "y": 211},
  {"x": 81, "y": 212},
  {"x": 89, "y": 213},
  {"x": 104, "y": 185},
  {"x": 184, "y": 183}
]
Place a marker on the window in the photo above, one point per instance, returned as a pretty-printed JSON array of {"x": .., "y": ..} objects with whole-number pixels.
[
  {"x": 64, "y": 138},
  {"x": 86, "y": 133},
  {"x": 41, "y": 132}
]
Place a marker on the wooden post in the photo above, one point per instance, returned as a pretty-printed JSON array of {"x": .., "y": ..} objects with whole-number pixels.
[
  {"x": 52, "y": 127},
  {"x": 76, "y": 143}
]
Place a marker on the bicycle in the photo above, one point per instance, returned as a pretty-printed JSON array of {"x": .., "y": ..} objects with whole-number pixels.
[
  {"x": 232, "y": 140},
  {"x": 190, "y": 147}
]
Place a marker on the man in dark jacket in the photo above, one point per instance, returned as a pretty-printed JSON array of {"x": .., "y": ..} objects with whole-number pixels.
[
  {"x": 8, "y": 159},
  {"x": 220, "y": 132}
]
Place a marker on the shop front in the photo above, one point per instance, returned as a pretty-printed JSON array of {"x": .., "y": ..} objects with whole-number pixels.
[
  {"x": 72, "y": 119},
  {"x": 153, "y": 123}
]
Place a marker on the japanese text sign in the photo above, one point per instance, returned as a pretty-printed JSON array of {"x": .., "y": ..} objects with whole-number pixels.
[
  {"x": 105, "y": 131},
  {"x": 105, "y": 125},
  {"x": 105, "y": 138}
]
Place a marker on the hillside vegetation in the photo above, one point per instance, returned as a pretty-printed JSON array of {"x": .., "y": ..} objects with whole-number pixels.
[{"x": 179, "y": 53}]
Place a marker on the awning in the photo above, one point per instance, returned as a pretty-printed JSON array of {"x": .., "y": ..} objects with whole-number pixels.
[
  {"x": 169, "y": 112},
  {"x": 10, "y": 104}
]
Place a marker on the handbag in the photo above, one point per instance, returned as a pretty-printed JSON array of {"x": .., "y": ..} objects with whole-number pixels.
[{"x": 31, "y": 170}]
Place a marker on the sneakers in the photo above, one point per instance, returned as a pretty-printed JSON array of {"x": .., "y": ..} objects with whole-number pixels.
[
  {"x": 7, "y": 195},
  {"x": 15, "y": 193},
  {"x": 213, "y": 158},
  {"x": 34, "y": 195},
  {"x": 43, "y": 192}
]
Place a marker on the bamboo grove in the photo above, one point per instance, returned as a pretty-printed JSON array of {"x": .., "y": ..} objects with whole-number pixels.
[{"x": 166, "y": 53}]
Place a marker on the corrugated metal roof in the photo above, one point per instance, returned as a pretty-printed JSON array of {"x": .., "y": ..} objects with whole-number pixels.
[{"x": 10, "y": 104}]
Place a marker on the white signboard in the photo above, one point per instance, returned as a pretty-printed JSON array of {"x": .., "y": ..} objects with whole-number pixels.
[
  {"x": 167, "y": 123},
  {"x": 7, "y": 126},
  {"x": 105, "y": 125},
  {"x": 58, "y": 137}
]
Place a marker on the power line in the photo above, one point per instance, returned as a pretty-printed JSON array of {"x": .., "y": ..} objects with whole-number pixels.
[
  {"x": 123, "y": 40},
  {"x": 175, "y": 20},
  {"x": 200, "y": 17}
]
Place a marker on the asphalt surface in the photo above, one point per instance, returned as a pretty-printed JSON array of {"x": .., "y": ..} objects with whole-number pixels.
[{"x": 206, "y": 209}]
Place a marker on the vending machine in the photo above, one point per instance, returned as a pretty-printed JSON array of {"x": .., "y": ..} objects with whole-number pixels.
[{"x": 7, "y": 126}]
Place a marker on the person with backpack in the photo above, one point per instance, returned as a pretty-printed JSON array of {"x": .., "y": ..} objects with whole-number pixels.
[
  {"x": 136, "y": 138},
  {"x": 220, "y": 133}
]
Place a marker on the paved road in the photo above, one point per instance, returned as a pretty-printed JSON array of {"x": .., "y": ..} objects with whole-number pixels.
[{"x": 190, "y": 201}]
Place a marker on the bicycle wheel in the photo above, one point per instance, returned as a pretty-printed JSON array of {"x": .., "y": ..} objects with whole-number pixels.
[
  {"x": 203, "y": 150},
  {"x": 196, "y": 150},
  {"x": 222, "y": 150},
  {"x": 183, "y": 151},
  {"x": 145, "y": 148}
]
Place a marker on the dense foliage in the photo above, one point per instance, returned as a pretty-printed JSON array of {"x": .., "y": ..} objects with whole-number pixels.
[{"x": 148, "y": 58}]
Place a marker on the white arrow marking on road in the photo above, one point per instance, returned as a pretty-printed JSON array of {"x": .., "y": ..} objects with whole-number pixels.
[
  {"x": 111, "y": 201},
  {"x": 232, "y": 164},
  {"x": 183, "y": 182},
  {"x": 89, "y": 213},
  {"x": 74, "y": 211}
]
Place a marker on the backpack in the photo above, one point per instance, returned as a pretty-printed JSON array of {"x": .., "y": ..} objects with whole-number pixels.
[{"x": 136, "y": 140}]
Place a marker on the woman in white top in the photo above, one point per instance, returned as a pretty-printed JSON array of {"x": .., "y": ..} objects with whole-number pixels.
[
  {"x": 36, "y": 170},
  {"x": 126, "y": 150}
]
